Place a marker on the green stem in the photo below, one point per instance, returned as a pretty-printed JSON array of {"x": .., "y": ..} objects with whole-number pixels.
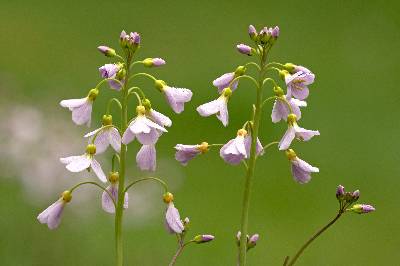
[
  {"x": 142, "y": 74},
  {"x": 147, "y": 178},
  {"x": 94, "y": 183},
  {"x": 251, "y": 164},
  {"x": 122, "y": 166},
  {"x": 309, "y": 241}
]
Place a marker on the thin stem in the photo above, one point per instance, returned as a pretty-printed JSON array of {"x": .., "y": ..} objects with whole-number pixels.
[
  {"x": 120, "y": 57},
  {"x": 270, "y": 144},
  {"x": 178, "y": 252},
  {"x": 242, "y": 77},
  {"x": 135, "y": 63},
  {"x": 251, "y": 163},
  {"x": 275, "y": 63},
  {"x": 115, "y": 100},
  {"x": 121, "y": 184},
  {"x": 147, "y": 178},
  {"x": 253, "y": 64},
  {"x": 137, "y": 96},
  {"x": 309, "y": 241},
  {"x": 115, "y": 156},
  {"x": 109, "y": 79},
  {"x": 271, "y": 80},
  {"x": 268, "y": 99},
  {"x": 139, "y": 90},
  {"x": 94, "y": 183},
  {"x": 142, "y": 74}
]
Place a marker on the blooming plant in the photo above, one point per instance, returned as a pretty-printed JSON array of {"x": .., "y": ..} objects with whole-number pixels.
[
  {"x": 147, "y": 126},
  {"x": 246, "y": 147}
]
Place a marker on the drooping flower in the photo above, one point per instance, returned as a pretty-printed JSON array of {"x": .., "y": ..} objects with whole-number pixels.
[
  {"x": 226, "y": 79},
  {"x": 184, "y": 153},
  {"x": 146, "y": 158},
  {"x": 52, "y": 215},
  {"x": 252, "y": 242},
  {"x": 294, "y": 131},
  {"x": 105, "y": 136},
  {"x": 176, "y": 97},
  {"x": 159, "y": 118},
  {"x": 297, "y": 84},
  {"x": 173, "y": 220},
  {"x": 145, "y": 130},
  {"x": 362, "y": 208},
  {"x": 244, "y": 49},
  {"x": 82, "y": 162},
  {"x": 153, "y": 62},
  {"x": 81, "y": 108},
  {"x": 218, "y": 107},
  {"x": 111, "y": 71},
  {"x": 301, "y": 170},
  {"x": 106, "y": 201},
  {"x": 281, "y": 110},
  {"x": 238, "y": 148},
  {"x": 292, "y": 68}
]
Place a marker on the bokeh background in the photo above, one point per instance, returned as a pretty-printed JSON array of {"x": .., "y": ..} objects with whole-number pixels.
[{"x": 48, "y": 53}]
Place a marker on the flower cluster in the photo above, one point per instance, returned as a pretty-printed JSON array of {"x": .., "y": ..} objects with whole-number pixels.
[{"x": 347, "y": 200}]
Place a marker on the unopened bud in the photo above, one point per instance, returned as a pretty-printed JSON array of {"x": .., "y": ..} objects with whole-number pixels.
[
  {"x": 362, "y": 208},
  {"x": 275, "y": 32},
  {"x": 147, "y": 104},
  {"x": 150, "y": 62},
  {"x": 66, "y": 196},
  {"x": 278, "y": 91},
  {"x": 289, "y": 67},
  {"x": 252, "y": 242},
  {"x": 240, "y": 70},
  {"x": 168, "y": 197},
  {"x": 107, "y": 120},
  {"x": 339, "y": 192},
  {"x": 107, "y": 51},
  {"x": 199, "y": 239},
  {"x": 244, "y": 49},
  {"x": 252, "y": 32},
  {"x": 356, "y": 195},
  {"x": 283, "y": 74}
]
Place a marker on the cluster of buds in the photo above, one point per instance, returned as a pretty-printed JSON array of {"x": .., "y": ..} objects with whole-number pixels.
[
  {"x": 130, "y": 42},
  {"x": 266, "y": 37},
  {"x": 251, "y": 240},
  {"x": 346, "y": 200}
]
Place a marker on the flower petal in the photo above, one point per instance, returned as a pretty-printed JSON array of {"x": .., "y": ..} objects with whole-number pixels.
[
  {"x": 146, "y": 158},
  {"x": 78, "y": 164},
  {"x": 115, "y": 139},
  {"x": 96, "y": 167},
  {"x": 287, "y": 139}
]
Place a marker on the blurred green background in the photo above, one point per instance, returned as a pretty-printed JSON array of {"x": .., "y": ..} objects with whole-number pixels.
[{"x": 49, "y": 53}]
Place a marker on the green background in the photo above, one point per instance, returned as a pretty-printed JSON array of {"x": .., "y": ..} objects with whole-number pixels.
[{"x": 48, "y": 53}]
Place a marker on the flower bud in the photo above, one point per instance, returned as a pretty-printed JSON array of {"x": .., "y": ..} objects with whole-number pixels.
[
  {"x": 186, "y": 221},
  {"x": 356, "y": 195},
  {"x": 107, "y": 51},
  {"x": 278, "y": 91},
  {"x": 91, "y": 149},
  {"x": 252, "y": 32},
  {"x": 107, "y": 120},
  {"x": 275, "y": 32},
  {"x": 168, "y": 197},
  {"x": 66, "y": 196},
  {"x": 121, "y": 73},
  {"x": 199, "y": 239},
  {"x": 244, "y": 49},
  {"x": 150, "y": 62},
  {"x": 93, "y": 94},
  {"x": 362, "y": 208},
  {"x": 159, "y": 84},
  {"x": 340, "y": 192},
  {"x": 203, "y": 147},
  {"x": 147, "y": 104},
  {"x": 123, "y": 39},
  {"x": 265, "y": 35},
  {"x": 252, "y": 242},
  {"x": 113, "y": 177},
  {"x": 290, "y": 154},
  {"x": 240, "y": 70},
  {"x": 140, "y": 110}
]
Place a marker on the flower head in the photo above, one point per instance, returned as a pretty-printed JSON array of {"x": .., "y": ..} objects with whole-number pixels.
[
  {"x": 146, "y": 158},
  {"x": 106, "y": 202},
  {"x": 176, "y": 97},
  {"x": 226, "y": 79},
  {"x": 81, "y": 108},
  {"x": 52, "y": 215},
  {"x": 294, "y": 131},
  {"x": 238, "y": 148},
  {"x": 111, "y": 71},
  {"x": 173, "y": 220},
  {"x": 297, "y": 84},
  {"x": 184, "y": 153},
  {"x": 281, "y": 110},
  {"x": 145, "y": 130},
  {"x": 82, "y": 162},
  {"x": 105, "y": 136},
  {"x": 301, "y": 170},
  {"x": 218, "y": 107}
]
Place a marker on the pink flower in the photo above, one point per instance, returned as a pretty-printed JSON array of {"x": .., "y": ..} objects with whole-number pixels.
[
  {"x": 145, "y": 130},
  {"x": 153, "y": 62},
  {"x": 362, "y": 208},
  {"x": 294, "y": 131},
  {"x": 218, "y": 107},
  {"x": 297, "y": 84},
  {"x": 176, "y": 97},
  {"x": 105, "y": 136},
  {"x": 107, "y": 203},
  {"x": 301, "y": 170},
  {"x": 110, "y": 71},
  {"x": 52, "y": 215},
  {"x": 244, "y": 49},
  {"x": 238, "y": 149},
  {"x": 81, "y": 108},
  {"x": 223, "y": 82},
  {"x": 82, "y": 162},
  {"x": 173, "y": 220},
  {"x": 159, "y": 118},
  {"x": 281, "y": 110},
  {"x": 184, "y": 153},
  {"x": 146, "y": 158}
]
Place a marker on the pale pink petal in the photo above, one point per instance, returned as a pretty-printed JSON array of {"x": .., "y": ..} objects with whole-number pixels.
[
  {"x": 73, "y": 103},
  {"x": 102, "y": 141},
  {"x": 279, "y": 111},
  {"x": 305, "y": 134},
  {"x": 92, "y": 133},
  {"x": 301, "y": 170},
  {"x": 160, "y": 119},
  {"x": 306, "y": 166},
  {"x": 148, "y": 138},
  {"x": 82, "y": 114},
  {"x": 154, "y": 125},
  {"x": 301, "y": 93},
  {"x": 79, "y": 163},
  {"x": 96, "y": 167},
  {"x": 209, "y": 108},
  {"x": 287, "y": 139},
  {"x": 114, "y": 139},
  {"x": 173, "y": 220},
  {"x": 52, "y": 215},
  {"x": 139, "y": 125},
  {"x": 176, "y": 98},
  {"x": 223, "y": 114},
  {"x": 184, "y": 153},
  {"x": 106, "y": 202},
  {"x": 146, "y": 158},
  {"x": 128, "y": 137},
  {"x": 259, "y": 146},
  {"x": 230, "y": 153},
  {"x": 69, "y": 159}
]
